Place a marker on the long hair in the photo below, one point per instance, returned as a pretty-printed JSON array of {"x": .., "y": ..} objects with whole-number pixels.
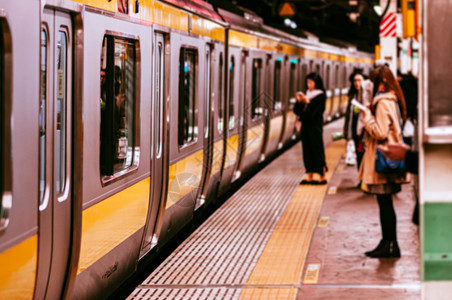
[
  {"x": 353, "y": 91},
  {"x": 317, "y": 79},
  {"x": 383, "y": 75}
]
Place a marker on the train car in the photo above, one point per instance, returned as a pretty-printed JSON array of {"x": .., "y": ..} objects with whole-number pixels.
[{"x": 120, "y": 122}]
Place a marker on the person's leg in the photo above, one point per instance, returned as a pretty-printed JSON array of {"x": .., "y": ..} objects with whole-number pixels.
[
  {"x": 388, "y": 217},
  {"x": 388, "y": 246},
  {"x": 307, "y": 163}
]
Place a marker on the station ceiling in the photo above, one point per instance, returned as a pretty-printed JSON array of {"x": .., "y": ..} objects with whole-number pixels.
[{"x": 342, "y": 22}]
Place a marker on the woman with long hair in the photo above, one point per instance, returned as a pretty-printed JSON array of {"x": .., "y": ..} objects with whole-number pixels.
[
  {"x": 361, "y": 90},
  {"x": 383, "y": 126},
  {"x": 310, "y": 108}
]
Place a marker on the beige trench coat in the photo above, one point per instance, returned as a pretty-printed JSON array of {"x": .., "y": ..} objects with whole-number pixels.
[{"x": 383, "y": 128}]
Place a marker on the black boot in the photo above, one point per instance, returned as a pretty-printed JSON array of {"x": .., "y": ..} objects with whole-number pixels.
[{"x": 385, "y": 249}]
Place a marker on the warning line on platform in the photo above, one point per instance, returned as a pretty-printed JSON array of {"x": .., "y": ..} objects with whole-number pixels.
[{"x": 284, "y": 256}]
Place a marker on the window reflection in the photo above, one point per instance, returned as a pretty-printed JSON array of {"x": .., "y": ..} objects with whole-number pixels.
[
  {"x": 256, "y": 88},
  {"x": 231, "y": 119},
  {"x": 117, "y": 102},
  {"x": 42, "y": 116},
  {"x": 187, "y": 101},
  {"x": 61, "y": 122}
]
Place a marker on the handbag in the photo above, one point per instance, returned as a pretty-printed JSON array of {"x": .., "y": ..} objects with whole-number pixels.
[{"x": 387, "y": 166}]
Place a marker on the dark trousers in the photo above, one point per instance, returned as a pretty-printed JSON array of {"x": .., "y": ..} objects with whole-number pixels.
[
  {"x": 388, "y": 217},
  {"x": 359, "y": 154}
]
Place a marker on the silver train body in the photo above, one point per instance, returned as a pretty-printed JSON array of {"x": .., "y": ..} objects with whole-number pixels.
[{"x": 118, "y": 125}]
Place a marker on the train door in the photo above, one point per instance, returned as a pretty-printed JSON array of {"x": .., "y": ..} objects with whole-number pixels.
[
  {"x": 55, "y": 159},
  {"x": 291, "y": 70},
  {"x": 344, "y": 88},
  {"x": 242, "y": 113},
  {"x": 19, "y": 105},
  {"x": 207, "y": 129},
  {"x": 253, "y": 113},
  {"x": 159, "y": 145}
]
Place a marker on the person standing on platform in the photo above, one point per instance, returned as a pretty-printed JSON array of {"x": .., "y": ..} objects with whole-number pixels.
[
  {"x": 383, "y": 126},
  {"x": 361, "y": 90},
  {"x": 408, "y": 84},
  {"x": 309, "y": 109}
]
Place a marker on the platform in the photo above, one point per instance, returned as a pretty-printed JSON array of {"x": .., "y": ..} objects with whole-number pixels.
[{"x": 276, "y": 239}]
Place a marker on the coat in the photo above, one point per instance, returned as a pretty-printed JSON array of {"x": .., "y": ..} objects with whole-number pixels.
[
  {"x": 353, "y": 126},
  {"x": 383, "y": 128},
  {"x": 311, "y": 117}
]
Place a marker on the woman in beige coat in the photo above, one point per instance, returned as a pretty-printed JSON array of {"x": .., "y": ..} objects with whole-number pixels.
[{"x": 382, "y": 124}]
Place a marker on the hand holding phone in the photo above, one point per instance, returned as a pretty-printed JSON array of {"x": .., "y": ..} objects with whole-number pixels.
[{"x": 358, "y": 105}]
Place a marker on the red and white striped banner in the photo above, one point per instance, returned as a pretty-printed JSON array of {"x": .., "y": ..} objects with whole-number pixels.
[{"x": 388, "y": 25}]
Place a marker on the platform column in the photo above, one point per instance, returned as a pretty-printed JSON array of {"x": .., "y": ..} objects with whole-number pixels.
[
  {"x": 388, "y": 30},
  {"x": 435, "y": 169}
]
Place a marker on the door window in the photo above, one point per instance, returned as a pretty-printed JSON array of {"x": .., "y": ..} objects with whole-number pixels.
[
  {"x": 159, "y": 95},
  {"x": 118, "y": 105},
  {"x": 220, "y": 94},
  {"x": 43, "y": 114},
  {"x": 277, "y": 86},
  {"x": 231, "y": 119},
  {"x": 61, "y": 112},
  {"x": 187, "y": 129},
  {"x": 207, "y": 96},
  {"x": 256, "y": 88}
]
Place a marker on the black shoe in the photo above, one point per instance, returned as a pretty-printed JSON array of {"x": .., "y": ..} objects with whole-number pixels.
[
  {"x": 308, "y": 182},
  {"x": 385, "y": 249}
]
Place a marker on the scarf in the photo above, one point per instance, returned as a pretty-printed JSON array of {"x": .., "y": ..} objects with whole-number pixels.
[{"x": 312, "y": 94}]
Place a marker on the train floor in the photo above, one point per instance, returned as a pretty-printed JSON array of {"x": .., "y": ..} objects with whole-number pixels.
[{"x": 276, "y": 239}]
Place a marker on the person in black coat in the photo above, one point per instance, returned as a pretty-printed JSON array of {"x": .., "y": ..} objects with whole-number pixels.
[
  {"x": 361, "y": 90},
  {"x": 309, "y": 109}
]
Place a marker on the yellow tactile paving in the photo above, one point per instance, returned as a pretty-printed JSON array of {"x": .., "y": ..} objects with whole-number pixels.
[
  {"x": 268, "y": 293},
  {"x": 281, "y": 263}
]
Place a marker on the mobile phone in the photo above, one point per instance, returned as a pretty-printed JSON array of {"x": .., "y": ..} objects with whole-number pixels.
[{"x": 358, "y": 105}]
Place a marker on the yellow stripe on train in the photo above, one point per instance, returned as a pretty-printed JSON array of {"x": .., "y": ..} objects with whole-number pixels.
[
  {"x": 18, "y": 270},
  {"x": 184, "y": 177},
  {"x": 276, "y": 128},
  {"x": 254, "y": 139},
  {"x": 108, "y": 223},
  {"x": 208, "y": 28}
]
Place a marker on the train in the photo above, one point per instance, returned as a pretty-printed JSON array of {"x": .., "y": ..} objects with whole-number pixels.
[{"x": 121, "y": 121}]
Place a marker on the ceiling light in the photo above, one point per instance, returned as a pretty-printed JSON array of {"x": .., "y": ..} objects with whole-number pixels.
[
  {"x": 353, "y": 17},
  {"x": 377, "y": 9}
]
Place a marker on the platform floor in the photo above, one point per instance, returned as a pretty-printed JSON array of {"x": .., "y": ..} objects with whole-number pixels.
[{"x": 275, "y": 239}]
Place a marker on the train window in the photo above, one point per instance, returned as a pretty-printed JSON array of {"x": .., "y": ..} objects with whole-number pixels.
[
  {"x": 159, "y": 95},
  {"x": 292, "y": 81},
  {"x": 304, "y": 73},
  {"x": 187, "y": 128},
  {"x": 43, "y": 115},
  {"x": 256, "y": 87},
  {"x": 345, "y": 79},
  {"x": 61, "y": 125},
  {"x": 118, "y": 105},
  {"x": 220, "y": 94},
  {"x": 328, "y": 70},
  {"x": 277, "y": 86},
  {"x": 231, "y": 119},
  {"x": 336, "y": 77},
  {"x": 207, "y": 97}
]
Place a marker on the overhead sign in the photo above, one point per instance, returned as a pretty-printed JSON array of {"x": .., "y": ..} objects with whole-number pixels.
[{"x": 287, "y": 10}]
